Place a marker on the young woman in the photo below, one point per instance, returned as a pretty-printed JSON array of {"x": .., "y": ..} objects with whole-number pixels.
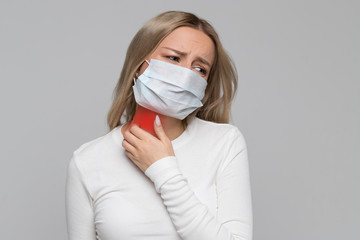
[{"x": 170, "y": 167}]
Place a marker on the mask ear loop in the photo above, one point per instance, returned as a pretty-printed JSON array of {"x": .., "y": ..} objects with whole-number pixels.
[{"x": 137, "y": 73}]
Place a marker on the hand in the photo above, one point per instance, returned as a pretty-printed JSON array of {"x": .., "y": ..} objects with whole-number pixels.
[{"x": 144, "y": 149}]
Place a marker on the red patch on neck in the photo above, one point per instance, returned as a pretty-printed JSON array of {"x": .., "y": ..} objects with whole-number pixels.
[{"x": 145, "y": 118}]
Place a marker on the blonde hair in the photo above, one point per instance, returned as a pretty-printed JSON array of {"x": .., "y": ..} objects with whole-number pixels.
[{"x": 222, "y": 80}]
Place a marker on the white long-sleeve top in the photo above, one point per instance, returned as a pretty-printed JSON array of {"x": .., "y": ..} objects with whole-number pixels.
[{"x": 202, "y": 193}]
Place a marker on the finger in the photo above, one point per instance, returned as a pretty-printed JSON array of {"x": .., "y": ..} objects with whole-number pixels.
[
  {"x": 128, "y": 147},
  {"x": 130, "y": 155},
  {"x": 131, "y": 138},
  {"x": 140, "y": 133},
  {"x": 159, "y": 130}
]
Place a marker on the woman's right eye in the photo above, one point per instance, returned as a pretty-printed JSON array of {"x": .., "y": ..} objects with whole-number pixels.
[{"x": 173, "y": 58}]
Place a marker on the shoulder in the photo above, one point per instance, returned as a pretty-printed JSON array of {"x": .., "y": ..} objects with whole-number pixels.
[
  {"x": 223, "y": 140},
  {"x": 89, "y": 159},
  {"x": 96, "y": 148},
  {"x": 90, "y": 146},
  {"x": 218, "y": 130}
]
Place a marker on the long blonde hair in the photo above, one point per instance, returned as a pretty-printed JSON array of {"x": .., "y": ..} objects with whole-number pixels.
[{"x": 222, "y": 80}]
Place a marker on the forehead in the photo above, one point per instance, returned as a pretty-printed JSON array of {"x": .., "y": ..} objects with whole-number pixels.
[{"x": 192, "y": 41}]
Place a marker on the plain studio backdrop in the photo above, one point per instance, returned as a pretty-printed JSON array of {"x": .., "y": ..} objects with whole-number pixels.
[{"x": 297, "y": 105}]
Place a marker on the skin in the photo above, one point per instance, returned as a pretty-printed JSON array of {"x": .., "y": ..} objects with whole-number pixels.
[{"x": 185, "y": 47}]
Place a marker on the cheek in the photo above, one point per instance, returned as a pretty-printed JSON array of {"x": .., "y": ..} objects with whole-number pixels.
[{"x": 143, "y": 68}]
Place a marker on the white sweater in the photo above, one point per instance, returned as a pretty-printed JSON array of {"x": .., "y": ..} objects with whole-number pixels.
[{"x": 201, "y": 194}]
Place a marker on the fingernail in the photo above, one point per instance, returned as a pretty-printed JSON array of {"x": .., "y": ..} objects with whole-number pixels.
[{"x": 157, "y": 120}]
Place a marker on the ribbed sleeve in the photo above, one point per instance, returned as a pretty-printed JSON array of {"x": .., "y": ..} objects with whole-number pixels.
[{"x": 192, "y": 219}]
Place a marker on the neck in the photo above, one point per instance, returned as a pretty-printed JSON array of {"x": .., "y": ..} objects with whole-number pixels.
[{"x": 145, "y": 119}]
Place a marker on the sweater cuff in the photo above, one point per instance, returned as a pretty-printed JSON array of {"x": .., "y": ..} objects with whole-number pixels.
[{"x": 162, "y": 170}]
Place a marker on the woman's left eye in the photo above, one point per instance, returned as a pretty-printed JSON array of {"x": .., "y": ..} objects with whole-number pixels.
[
  {"x": 173, "y": 58},
  {"x": 201, "y": 70}
]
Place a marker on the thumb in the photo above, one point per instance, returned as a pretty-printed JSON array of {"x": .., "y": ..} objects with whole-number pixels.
[{"x": 159, "y": 130}]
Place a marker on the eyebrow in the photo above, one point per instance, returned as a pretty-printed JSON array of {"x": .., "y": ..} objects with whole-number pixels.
[{"x": 184, "y": 54}]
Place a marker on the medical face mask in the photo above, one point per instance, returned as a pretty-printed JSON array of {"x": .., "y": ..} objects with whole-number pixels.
[{"x": 169, "y": 89}]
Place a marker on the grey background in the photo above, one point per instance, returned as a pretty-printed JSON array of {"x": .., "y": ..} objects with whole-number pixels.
[{"x": 297, "y": 105}]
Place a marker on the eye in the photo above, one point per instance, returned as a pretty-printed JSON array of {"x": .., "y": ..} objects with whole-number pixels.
[
  {"x": 201, "y": 70},
  {"x": 173, "y": 58}
]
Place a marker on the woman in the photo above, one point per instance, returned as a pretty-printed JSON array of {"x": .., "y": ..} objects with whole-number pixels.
[{"x": 175, "y": 169}]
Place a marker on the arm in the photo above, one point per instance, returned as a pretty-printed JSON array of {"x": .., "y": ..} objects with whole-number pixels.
[
  {"x": 79, "y": 213},
  {"x": 234, "y": 191},
  {"x": 191, "y": 218}
]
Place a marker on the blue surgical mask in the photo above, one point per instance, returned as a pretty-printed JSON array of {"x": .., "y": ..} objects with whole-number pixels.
[{"x": 169, "y": 89}]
